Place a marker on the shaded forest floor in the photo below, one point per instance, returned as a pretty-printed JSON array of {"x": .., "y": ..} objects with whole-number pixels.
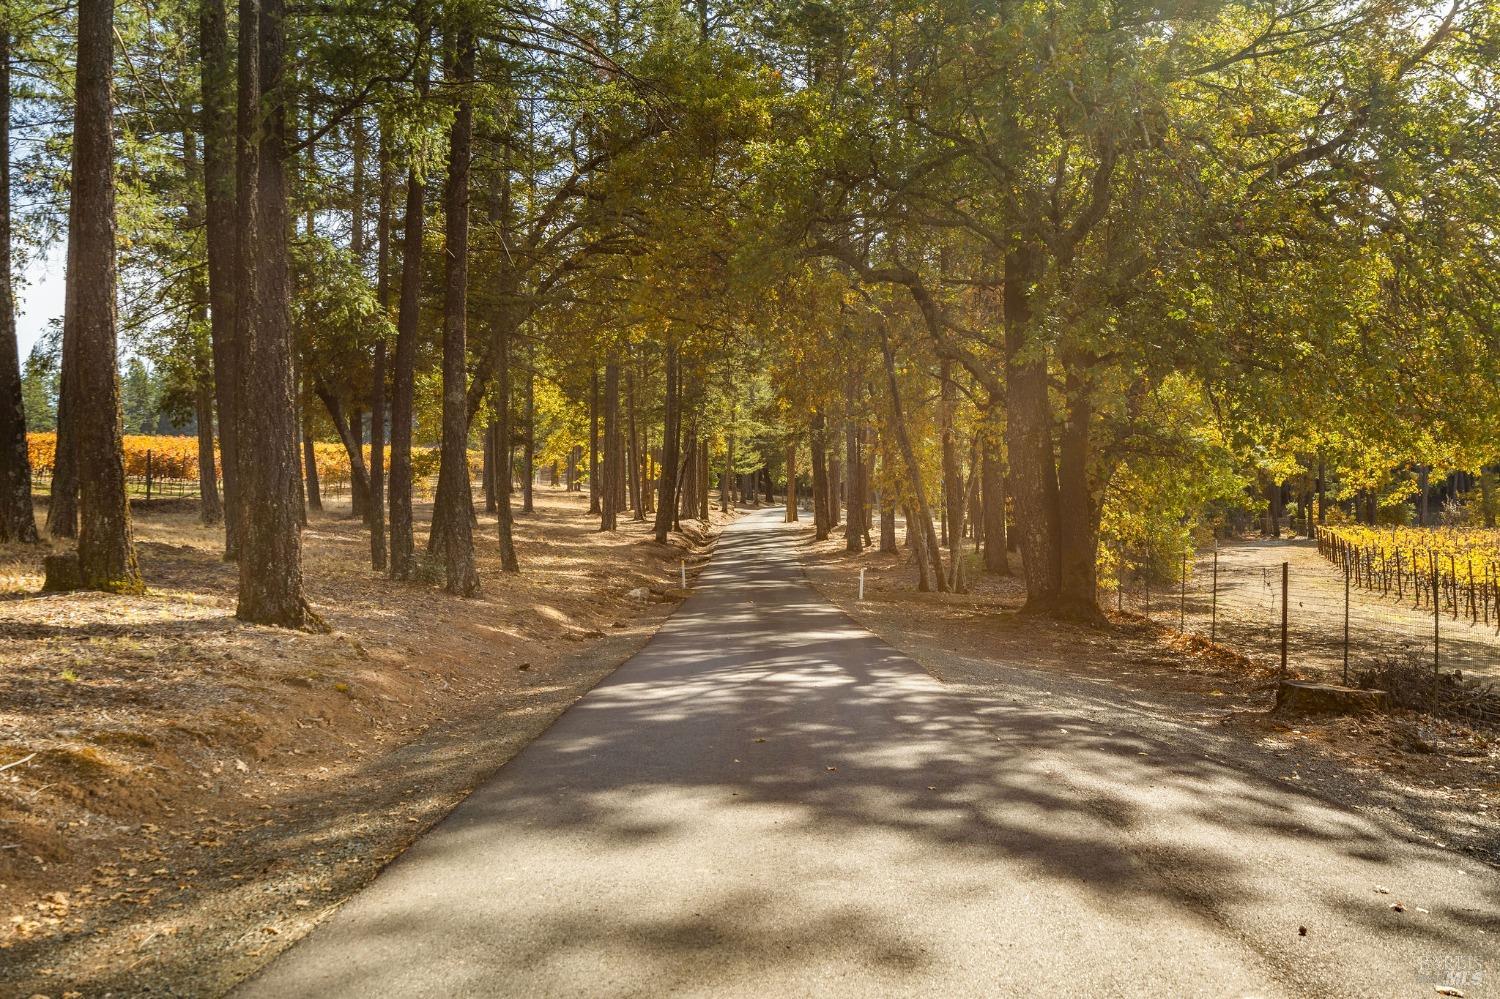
[
  {"x": 198, "y": 793},
  {"x": 1435, "y": 781}
]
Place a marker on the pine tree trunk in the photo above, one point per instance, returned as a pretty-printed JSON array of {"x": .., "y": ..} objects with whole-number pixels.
[
  {"x": 608, "y": 503},
  {"x": 455, "y": 491},
  {"x": 504, "y": 470},
  {"x": 314, "y": 491},
  {"x": 17, "y": 519},
  {"x": 594, "y": 441},
  {"x": 62, "y": 503},
  {"x": 528, "y": 458},
  {"x": 217, "y": 82},
  {"x": 271, "y": 544},
  {"x": 210, "y": 510},
  {"x": 666, "y": 503},
  {"x": 403, "y": 374},
  {"x": 106, "y": 549},
  {"x": 637, "y": 500},
  {"x": 377, "y": 372}
]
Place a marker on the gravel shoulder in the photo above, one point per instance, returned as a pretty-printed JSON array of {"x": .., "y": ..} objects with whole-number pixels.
[
  {"x": 202, "y": 793},
  {"x": 1430, "y": 782}
]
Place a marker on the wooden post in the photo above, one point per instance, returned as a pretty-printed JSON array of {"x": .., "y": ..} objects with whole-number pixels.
[{"x": 1284, "y": 577}]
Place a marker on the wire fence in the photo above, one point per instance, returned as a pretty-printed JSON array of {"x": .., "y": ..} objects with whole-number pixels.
[{"x": 1304, "y": 607}]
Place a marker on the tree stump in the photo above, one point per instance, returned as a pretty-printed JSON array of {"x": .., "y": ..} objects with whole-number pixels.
[
  {"x": 62, "y": 573},
  {"x": 1299, "y": 697}
]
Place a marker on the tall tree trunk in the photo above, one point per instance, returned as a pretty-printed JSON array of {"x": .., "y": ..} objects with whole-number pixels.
[
  {"x": 1029, "y": 437},
  {"x": 666, "y": 503},
  {"x": 637, "y": 499},
  {"x": 377, "y": 371},
  {"x": 952, "y": 474},
  {"x": 996, "y": 558},
  {"x": 607, "y": 495},
  {"x": 528, "y": 458},
  {"x": 403, "y": 374},
  {"x": 210, "y": 511},
  {"x": 314, "y": 492},
  {"x": 346, "y": 427},
  {"x": 726, "y": 484},
  {"x": 62, "y": 504},
  {"x": 835, "y": 480},
  {"x": 218, "y": 125},
  {"x": 106, "y": 550},
  {"x": 455, "y": 491},
  {"x": 504, "y": 470},
  {"x": 927, "y": 540},
  {"x": 887, "y": 501},
  {"x": 791, "y": 480},
  {"x": 271, "y": 544},
  {"x": 819, "y": 447},
  {"x": 1078, "y": 513},
  {"x": 594, "y": 441},
  {"x": 854, "y": 523},
  {"x": 17, "y": 519}
]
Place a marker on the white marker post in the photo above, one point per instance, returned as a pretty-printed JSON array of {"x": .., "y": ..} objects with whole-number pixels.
[
  {"x": 861, "y": 584},
  {"x": 684, "y": 574}
]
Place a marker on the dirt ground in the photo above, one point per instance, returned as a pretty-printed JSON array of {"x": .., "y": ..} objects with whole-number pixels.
[
  {"x": 185, "y": 795},
  {"x": 1248, "y": 613},
  {"x": 1432, "y": 780}
]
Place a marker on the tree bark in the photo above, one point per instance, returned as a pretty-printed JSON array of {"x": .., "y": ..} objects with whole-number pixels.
[
  {"x": 403, "y": 374},
  {"x": 528, "y": 459},
  {"x": 455, "y": 491},
  {"x": 637, "y": 504},
  {"x": 952, "y": 474},
  {"x": 271, "y": 545},
  {"x": 791, "y": 480},
  {"x": 218, "y": 125},
  {"x": 1077, "y": 512},
  {"x": 1029, "y": 437},
  {"x": 17, "y": 518},
  {"x": 377, "y": 371},
  {"x": 106, "y": 549},
  {"x": 666, "y": 503},
  {"x": 594, "y": 442},
  {"x": 854, "y": 523},
  {"x": 607, "y": 494},
  {"x": 996, "y": 556},
  {"x": 210, "y": 510},
  {"x": 503, "y": 468},
  {"x": 62, "y": 504},
  {"x": 819, "y": 448},
  {"x": 314, "y": 490},
  {"x": 926, "y": 536},
  {"x": 887, "y": 502}
]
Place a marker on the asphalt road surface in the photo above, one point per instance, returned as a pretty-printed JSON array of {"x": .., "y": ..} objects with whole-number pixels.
[{"x": 769, "y": 801}]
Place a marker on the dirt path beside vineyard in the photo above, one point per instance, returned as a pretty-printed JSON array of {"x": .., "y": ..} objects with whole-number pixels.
[
  {"x": 1380, "y": 625},
  {"x": 197, "y": 793}
]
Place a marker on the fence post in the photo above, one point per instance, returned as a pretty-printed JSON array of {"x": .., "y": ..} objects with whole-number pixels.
[
  {"x": 1346, "y": 626},
  {"x": 1284, "y": 576},
  {"x": 1213, "y": 612},
  {"x": 148, "y": 475},
  {"x": 1437, "y": 617}
]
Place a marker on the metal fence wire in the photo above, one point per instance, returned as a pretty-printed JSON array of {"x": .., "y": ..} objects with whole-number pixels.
[{"x": 1338, "y": 614}]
